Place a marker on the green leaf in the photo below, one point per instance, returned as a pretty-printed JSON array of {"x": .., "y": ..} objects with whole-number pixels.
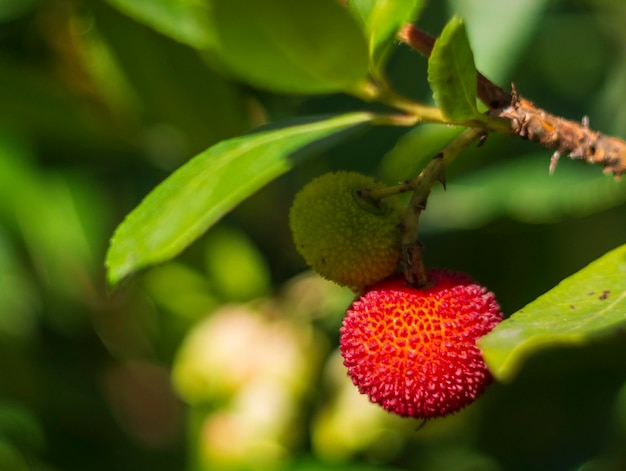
[
  {"x": 10, "y": 11},
  {"x": 199, "y": 193},
  {"x": 227, "y": 247},
  {"x": 286, "y": 46},
  {"x": 382, "y": 19},
  {"x": 523, "y": 190},
  {"x": 174, "y": 88},
  {"x": 516, "y": 24},
  {"x": 582, "y": 307},
  {"x": 452, "y": 73},
  {"x": 24, "y": 95},
  {"x": 186, "y": 21},
  {"x": 413, "y": 150},
  {"x": 54, "y": 214}
]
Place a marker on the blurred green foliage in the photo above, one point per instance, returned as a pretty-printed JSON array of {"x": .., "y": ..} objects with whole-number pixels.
[{"x": 98, "y": 104}]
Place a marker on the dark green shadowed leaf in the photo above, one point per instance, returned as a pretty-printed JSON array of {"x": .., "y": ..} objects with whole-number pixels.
[
  {"x": 185, "y": 21},
  {"x": 199, "y": 193},
  {"x": 382, "y": 19},
  {"x": 302, "y": 47},
  {"x": 171, "y": 86},
  {"x": 452, "y": 73},
  {"x": 589, "y": 303}
]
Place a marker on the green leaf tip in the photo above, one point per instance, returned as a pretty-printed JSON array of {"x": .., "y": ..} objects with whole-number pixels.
[
  {"x": 584, "y": 306},
  {"x": 452, "y": 74},
  {"x": 381, "y": 21},
  {"x": 199, "y": 193}
]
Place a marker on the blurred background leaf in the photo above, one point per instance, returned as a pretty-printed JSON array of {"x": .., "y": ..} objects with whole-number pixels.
[
  {"x": 522, "y": 189},
  {"x": 305, "y": 47}
]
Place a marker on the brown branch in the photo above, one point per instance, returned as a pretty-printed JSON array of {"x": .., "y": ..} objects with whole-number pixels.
[
  {"x": 530, "y": 122},
  {"x": 564, "y": 136},
  {"x": 435, "y": 171}
]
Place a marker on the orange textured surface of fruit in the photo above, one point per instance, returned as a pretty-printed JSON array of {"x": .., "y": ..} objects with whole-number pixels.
[{"x": 413, "y": 351}]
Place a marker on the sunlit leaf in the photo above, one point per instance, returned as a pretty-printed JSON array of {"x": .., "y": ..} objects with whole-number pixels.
[
  {"x": 382, "y": 19},
  {"x": 452, "y": 73},
  {"x": 588, "y": 304},
  {"x": 304, "y": 46},
  {"x": 194, "y": 197}
]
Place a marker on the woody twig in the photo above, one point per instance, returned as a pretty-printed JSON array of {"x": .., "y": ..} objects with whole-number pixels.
[{"x": 564, "y": 137}]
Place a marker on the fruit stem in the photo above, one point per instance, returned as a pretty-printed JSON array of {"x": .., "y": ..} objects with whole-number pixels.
[
  {"x": 388, "y": 191},
  {"x": 412, "y": 260},
  {"x": 421, "y": 112}
]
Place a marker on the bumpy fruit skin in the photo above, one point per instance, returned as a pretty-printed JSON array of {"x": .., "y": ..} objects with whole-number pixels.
[
  {"x": 346, "y": 242},
  {"x": 413, "y": 351}
]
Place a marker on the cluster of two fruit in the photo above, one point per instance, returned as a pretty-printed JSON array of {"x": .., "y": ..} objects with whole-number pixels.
[{"x": 412, "y": 351}]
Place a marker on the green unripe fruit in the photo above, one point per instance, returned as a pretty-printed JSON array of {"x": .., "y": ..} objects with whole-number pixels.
[{"x": 344, "y": 236}]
